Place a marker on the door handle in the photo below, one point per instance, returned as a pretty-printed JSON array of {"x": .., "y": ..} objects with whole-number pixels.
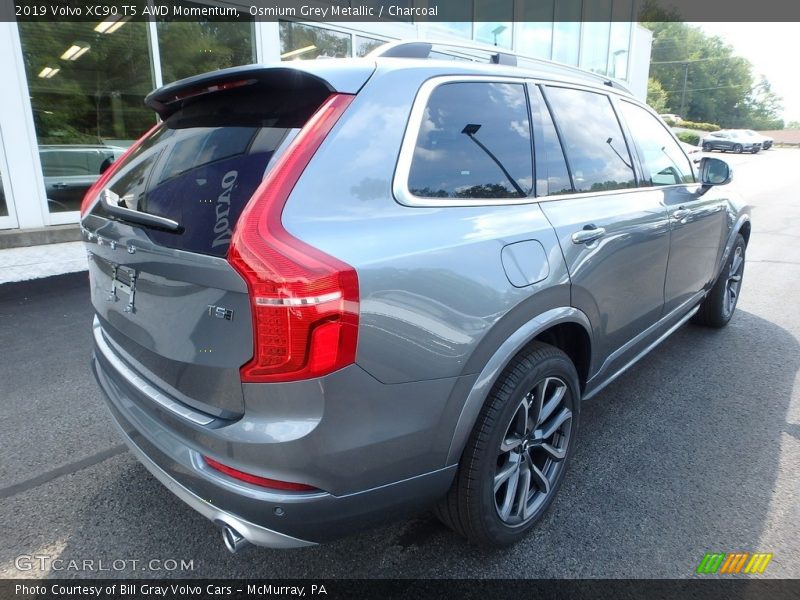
[
  {"x": 588, "y": 234},
  {"x": 681, "y": 214},
  {"x": 59, "y": 186}
]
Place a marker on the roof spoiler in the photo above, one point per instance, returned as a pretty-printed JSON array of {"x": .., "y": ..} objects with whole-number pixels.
[{"x": 330, "y": 75}]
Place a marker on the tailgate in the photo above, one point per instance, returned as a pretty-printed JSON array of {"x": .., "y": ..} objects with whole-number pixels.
[{"x": 158, "y": 228}]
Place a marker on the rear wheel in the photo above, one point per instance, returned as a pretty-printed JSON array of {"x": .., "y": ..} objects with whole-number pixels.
[
  {"x": 737, "y": 148},
  {"x": 718, "y": 307},
  {"x": 516, "y": 457},
  {"x": 706, "y": 147}
]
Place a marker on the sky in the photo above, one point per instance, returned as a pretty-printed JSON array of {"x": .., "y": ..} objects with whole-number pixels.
[{"x": 774, "y": 51}]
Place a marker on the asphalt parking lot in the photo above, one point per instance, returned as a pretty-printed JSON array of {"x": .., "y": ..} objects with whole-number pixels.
[{"x": 696, "y": 449}]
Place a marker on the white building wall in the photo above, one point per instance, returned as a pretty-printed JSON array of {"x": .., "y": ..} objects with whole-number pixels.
[{"x": 641, "y": 45}]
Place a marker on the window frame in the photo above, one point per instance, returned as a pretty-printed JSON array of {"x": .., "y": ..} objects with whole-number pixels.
[
  {"x": 403, "y": 196},
  {"x": 403, "y": 169},
  {"x": 633, "y": 154},
  {"x": 644, "y": 180}
]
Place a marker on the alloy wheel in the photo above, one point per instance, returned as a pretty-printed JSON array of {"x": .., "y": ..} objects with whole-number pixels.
[
  {"x": 734, "y": 281},
  {"x": 532, "y": 451}
]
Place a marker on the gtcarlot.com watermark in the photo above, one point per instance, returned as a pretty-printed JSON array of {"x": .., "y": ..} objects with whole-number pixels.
[{"x": 45, "y": 562}]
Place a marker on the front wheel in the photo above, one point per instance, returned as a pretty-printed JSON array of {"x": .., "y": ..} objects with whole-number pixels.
[
  {"x": 516, "y": 456},
  {"x": 717, "y": 308}
]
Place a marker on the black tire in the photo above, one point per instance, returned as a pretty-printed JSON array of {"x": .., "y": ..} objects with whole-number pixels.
[
  {"x": 707, "y": 147},
  {"x": 737, "y": 148},
  {"x": 718, "y": 307},
  {"x": 471, "y": 505}
]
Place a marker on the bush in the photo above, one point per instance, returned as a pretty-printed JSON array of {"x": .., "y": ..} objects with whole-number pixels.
[
  {"x": 700, "y": 126},
  {"x": 689, "y": 138}
]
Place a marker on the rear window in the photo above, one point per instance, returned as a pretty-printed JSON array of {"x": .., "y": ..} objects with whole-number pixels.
[
  {"x": 474, "y": 142},
  {"x": 202, "y": 165}
]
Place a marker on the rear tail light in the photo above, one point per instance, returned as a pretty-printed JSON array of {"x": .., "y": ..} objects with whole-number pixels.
[
  {"x": 256, "y": 480},
  {"x": 304, "y": 302},
  {"x": 94, "y": 191}
]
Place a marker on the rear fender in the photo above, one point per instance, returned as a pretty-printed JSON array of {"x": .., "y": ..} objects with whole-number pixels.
[{"x": 498, "y": 361}]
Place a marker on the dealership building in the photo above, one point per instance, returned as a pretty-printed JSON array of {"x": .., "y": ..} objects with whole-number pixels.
[{"x": 74, "y": 91}]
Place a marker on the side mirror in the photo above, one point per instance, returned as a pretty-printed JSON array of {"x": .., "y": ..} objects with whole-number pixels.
[{"x": 714, "y": 171}]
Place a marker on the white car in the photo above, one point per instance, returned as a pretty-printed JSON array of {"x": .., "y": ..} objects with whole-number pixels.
[{"x": 766, "y": 141}]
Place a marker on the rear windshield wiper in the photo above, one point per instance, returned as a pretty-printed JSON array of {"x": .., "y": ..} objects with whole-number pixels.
[{"x": 111, "y": 203}]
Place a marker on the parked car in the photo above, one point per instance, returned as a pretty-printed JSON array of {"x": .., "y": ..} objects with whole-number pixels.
[
  {"x": 671, "y": 117},
  {"x": 70, "y": 170},
  {"x": 303, "y": 328},
  {"x": 730, "y": 140},
  {"x": 765, "y": 140}
]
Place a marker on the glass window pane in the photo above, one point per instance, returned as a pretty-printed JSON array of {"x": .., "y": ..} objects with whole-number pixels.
[
  {"x": 87, "y": 84},
  {"x": 365, "y": 45},
  {"x": 535, "y": 36},
  {"x": 596, "y": 150},
  {"x": 302, "y": 42},
  {"x": 497, "y": 33},
  {"x": 664, "y": 161},
  {"x": 552, "y": 176},
  {"x": 474, "y": 142},
  {"x": 211, "y": 43},
  {"x": 535, "y": 39},
  {"x": 200, "y": 170},
  {"x": 567, "y": 31},
  {"x": 594, "y": 38},
  {"x": 618, "y": 50}
]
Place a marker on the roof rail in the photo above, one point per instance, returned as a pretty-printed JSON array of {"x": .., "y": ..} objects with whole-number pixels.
[
  {"x": 419, "y": 49},
  {"x": 423, "y": 49}
]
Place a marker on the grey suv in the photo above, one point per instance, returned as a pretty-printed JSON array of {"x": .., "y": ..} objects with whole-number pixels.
[{"x": 331, "y": 292}]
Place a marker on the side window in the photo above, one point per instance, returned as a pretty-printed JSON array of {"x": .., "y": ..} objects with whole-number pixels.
[
  {"x": 664, "y": 161},
  {"x": 552, "y": 175},
  {"x": 596, "y": 150},
  {"x": 474, "y": 142}
]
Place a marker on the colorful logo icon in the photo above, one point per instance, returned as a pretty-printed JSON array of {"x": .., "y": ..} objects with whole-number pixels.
[{"x": 733, "y": 563}]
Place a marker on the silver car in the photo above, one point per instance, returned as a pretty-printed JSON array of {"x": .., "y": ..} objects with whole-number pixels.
[
  {"x": 731, "y": 140},
  {"x": 331, "y": 292}
]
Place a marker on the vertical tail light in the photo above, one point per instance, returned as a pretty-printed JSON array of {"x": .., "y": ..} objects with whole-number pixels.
[{"x": 304, "y": 302}]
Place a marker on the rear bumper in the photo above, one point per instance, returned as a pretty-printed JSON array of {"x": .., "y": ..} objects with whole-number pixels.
[
  {"x": 255, "y": 534},
  {"x": 171, "y": 448}
]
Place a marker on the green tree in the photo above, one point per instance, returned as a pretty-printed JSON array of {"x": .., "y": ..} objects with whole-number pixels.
[
  {"x": 704, "y": 80},
  {"x": 656, "y": 96}
]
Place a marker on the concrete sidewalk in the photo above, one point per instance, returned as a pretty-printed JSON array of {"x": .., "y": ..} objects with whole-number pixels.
[{"x": 34, "y": 262}]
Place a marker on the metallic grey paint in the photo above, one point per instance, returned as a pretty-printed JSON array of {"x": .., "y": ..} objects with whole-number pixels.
[{"x": 448, "y": 295}]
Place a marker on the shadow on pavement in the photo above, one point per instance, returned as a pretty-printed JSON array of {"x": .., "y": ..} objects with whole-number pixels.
[{"x": 676, "y": 458}]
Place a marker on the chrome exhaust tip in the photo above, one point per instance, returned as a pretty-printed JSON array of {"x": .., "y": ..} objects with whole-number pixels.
[{"x": 233, "y": 540}]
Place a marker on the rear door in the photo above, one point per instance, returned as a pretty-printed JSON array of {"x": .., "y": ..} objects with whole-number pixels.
[
  {"x": 614, "y": 235},
  {"x": 169, "y": 303}
]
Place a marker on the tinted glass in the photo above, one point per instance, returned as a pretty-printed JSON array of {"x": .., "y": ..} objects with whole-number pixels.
[
  {"x": 596, "y": 150},
  {"x": 664, "y": 161},
  {"x": 204, "y": 163},
  {"x": 474, "y": 142},
  {"x": 552, "y": 176}
]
